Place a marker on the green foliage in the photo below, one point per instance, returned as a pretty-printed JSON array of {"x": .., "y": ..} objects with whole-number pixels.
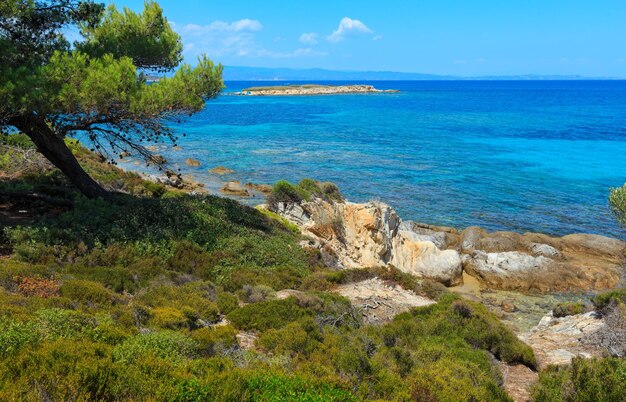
[
  {"x": 272, "y": 215},
  {"x": 617, "y": 201},
  {"x": 207, "y": 237},
  {"x": 285, "y": 192},
  {"x": 170, "y": 345},
  {"x": 213, "y": 340},
  {"x": 17, "y": 335},
  {"x": 88, "y": 292},
  {"x": 586, "y": 380},
  {"x": 176, "y": 306},
  {"x": 568, "y": 308},
  {"x": 476, "y": 325},
  {"x": 60, "y": 323},
  {"x": 268, "y": 314},
  {"x": 227, "y": 302},
  {"x": 147, "y": 37},
  {"x": 262, "y": 387},
  {"x": 603, "y": 300}
]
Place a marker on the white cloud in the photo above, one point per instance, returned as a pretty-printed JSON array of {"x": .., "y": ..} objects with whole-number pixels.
[
  {"x": 377, "y": 37},
  {"x": 302, "y": 52},
  {"x": 223, "y": 26},
  {"x": 348, "y": 27},
  {"x": 309, "y": 38},
  {"x": 220, "y": 38}
]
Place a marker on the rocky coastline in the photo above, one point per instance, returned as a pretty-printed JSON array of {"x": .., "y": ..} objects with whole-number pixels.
[
  {"x": 351, "y": 235},
  {"x": 310, "y": 89}
]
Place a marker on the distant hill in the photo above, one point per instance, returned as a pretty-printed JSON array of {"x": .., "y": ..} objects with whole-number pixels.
[{"x": 238, "y": 73}]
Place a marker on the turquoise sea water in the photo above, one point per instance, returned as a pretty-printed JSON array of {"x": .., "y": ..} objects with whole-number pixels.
[{"x": 524, "y": 156}]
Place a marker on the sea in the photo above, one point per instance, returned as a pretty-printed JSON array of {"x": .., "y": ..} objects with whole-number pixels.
[{"x": 535, "y": 156}]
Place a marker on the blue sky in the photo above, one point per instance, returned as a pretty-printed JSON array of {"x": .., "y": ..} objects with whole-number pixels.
[{"x": 480, "y": 37}]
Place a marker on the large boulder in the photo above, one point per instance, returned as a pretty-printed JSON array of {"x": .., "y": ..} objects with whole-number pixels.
[{"x": 369, "y": 235}]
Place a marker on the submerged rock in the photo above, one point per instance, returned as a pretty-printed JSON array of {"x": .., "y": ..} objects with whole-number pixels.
[
  {"x": 192, "y": 162},
  {"x": 221, "y": 170},
  {"x": 235, "y": 188}
]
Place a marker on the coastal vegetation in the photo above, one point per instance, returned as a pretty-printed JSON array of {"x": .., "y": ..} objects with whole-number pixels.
[
  {"x": 144, "y": 299},
  {"x": 51, "y": 89},
  {"x": 113, "y": 287}
]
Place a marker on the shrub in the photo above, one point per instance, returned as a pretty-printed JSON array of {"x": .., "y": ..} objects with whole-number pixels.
[
  {"x": 192, "y": 299},
  {"x": 300, "y": 337},
  {"x": 268, "y": 314},
  {"x": 16, "y": 335},
  {"x": 256, "y": 294},
  {"x": 212, "y": 340},
  {"x": 59, "y": 323},
  {"x": 88, "y": 292},
  {"x": 284, "y": 192},
  {"x": 227, "y": 302},
  {"x": 617, "y": 201},
  {"x": 155, "y": 189},
  {"x": 168, "y": 318},
  {"x": 568, "y": 308},
  {"x": 603, "y": 300},
  {"x": 585, "y": 380},
  {"x": 39, "y": 287},
  {"x": 163, "y": 344}
]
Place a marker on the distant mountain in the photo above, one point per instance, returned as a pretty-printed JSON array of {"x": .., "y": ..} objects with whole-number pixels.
[{"x": 237, "y": 73}]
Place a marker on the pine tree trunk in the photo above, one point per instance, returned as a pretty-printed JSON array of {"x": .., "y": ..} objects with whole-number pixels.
[{"x": 57, "y": 152}]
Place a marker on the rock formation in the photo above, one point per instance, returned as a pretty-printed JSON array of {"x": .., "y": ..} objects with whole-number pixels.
[
  {"x": 369, "y": 235},
  {"x": 353, "y": 235}
]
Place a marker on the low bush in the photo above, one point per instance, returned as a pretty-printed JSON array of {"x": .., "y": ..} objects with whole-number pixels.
[
  {"x": 284, "y": 192},
  {"x": 568, "y": 308},
  {"x": 603, "y": 300},
  {"x": 227, "y": 302},
  {"x": 268, "y": 314},
  {"x": 170, "y": 345},
  {"x": 256, "y": 294},
  {"x": 192, "y": 300},
  {"x": 585, "y": 380},
  {"x": 89, "y": 292},
  {"x": 212, "y": 340}
]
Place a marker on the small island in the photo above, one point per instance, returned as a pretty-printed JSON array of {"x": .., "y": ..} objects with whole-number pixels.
[{"x": 310, "y": 89}]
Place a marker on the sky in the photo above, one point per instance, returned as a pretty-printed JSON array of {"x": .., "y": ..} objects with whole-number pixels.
[{"x": 468, "y": 38}]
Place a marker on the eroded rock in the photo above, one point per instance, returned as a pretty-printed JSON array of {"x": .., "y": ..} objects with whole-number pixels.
[{"x": 369, "y": 235}]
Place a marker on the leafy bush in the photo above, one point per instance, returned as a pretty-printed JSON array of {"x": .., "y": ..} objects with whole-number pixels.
[
  {"x": 168, "y": 318},
  {"x": 603, "y": 300},
  {"x": 88, "y": 292},
  {"x": 227, "y": 302},
  {"x": 268, "y": 314},
  {"x": 169, "y": 345},
  {"x": 211, "y": 340},
  {"x": 193, "y": 300},
  {"x": 59, "y": 323},
  {"x": 586, "y": 380},
  {"x": 256, "y": 294},
  {"x": 16, "y": 335},
  {"x": 568, "y": 308},
  {"x": 476, "y": 325},
  {"x": 284, "y": 192},
  {"x": 617, "y": 201}
]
